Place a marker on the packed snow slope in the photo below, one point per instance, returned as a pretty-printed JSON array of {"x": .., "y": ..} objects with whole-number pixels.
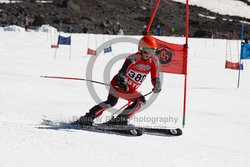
[
  {"x": 217, "y": 123},
  {"x": 225, "y": 7}
]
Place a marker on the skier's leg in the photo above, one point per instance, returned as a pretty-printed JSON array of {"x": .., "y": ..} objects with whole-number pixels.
[
  {"x": 122, "y": 118},
  {"x": 135, "y": 106},
  {"x": 97, "y": 110}
]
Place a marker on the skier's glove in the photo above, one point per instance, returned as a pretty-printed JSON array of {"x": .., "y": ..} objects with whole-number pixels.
[
  {"x": 157, "y": 85},
  {"x": 123, "y": 86}
]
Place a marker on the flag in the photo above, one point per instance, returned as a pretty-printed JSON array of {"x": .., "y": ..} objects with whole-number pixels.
[
  {"x": 91, "y": 52},
  {"x": 108, "y": 49},
  {"x": 233, "y": 66},
  {"x": 64, "y": 40},
  {"x": 172, "y": 57},
  {"x": 245, "y": 51},
  {"x": 54, "y": 46}
]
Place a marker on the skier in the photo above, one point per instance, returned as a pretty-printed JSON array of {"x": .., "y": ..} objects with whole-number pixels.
[
  {"x": 159, "y": 30},
  {"x": 26, "y": 23},
  {"x": 116, "y": 28},
  {"x": 125, "y": 83}
]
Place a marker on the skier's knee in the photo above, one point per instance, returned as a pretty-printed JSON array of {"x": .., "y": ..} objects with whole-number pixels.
[
  {"x": 141, "y": 100},
  {"x": 105, "y": 105},
  {"x": 108, "y": 104},
  {"x": 112, "y": 103}
]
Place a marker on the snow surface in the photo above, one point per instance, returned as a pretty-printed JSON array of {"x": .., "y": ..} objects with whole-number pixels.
[
  {"x": 217, "y": 126},
  {"x": 8, "y": 1},
  {"x": 13, "y": 28},
  {"x": 225, "y": 7}
]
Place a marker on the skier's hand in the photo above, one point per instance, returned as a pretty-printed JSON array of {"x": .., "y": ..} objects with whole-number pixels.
[
  {"x": 123, "y": 86},
  {"x": 157, "y": 85}
]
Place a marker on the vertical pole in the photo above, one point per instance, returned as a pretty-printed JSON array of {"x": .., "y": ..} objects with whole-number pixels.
[
  {"x": 241, "y": 51},
  {"x": 69, "y": 52},
  {"x": 230, "y": 48},
  {"x": 56, "y": 47},
  {"x": 226, "y": 46},
  {"x": 237, "y": 42},
  {"x": 187, "y": 21},
  {"x": 70, "y": 48},
  {"x": 55, "y": 53},
  {"x": 103, "y": 38},
  {"x": 50, "y": 30},
  {"x": 152, "y": 16},
  {"x": 87, "y": 43},
  {"x": 95, "y": 41},
  {"x": 185, "y": 81}
]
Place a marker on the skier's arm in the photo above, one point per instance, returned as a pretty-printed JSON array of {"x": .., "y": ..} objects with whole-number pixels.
[
  {"x": 121, "y": 75},
  {"x": 122, "y": 72},
  {"x": 157, "y": 85},
  {"x": 155, "y": 76}
]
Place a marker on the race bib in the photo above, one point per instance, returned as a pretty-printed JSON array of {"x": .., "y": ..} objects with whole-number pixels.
[{"x": 136, "y": 76}]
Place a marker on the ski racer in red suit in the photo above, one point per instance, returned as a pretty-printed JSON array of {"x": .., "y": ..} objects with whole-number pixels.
[{"x": 127, "y": 81}]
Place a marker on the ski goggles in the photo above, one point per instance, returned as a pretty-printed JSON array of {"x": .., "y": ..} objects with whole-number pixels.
[{"x": 150, "y": 51}]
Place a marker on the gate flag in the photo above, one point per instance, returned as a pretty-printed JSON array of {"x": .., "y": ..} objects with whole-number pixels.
[
  {"x": 245, "y": 51},
  {"x": 91, "y": 52},
  {"x": 172, "y": 57},
  {"x": 108, "y": 49},
  {"x": 233, "y": 66},
  {"x": 64, "y": 40}
]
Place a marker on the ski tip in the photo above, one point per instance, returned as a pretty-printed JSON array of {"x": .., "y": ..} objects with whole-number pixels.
[
  {"x": 176, "y": 132},
  {"x": 136, "y": 132}
]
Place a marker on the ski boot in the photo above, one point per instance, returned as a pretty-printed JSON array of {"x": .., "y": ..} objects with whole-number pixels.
[
  {"x": 86, "y": 120},
  {"x": 119, "y": 120}
]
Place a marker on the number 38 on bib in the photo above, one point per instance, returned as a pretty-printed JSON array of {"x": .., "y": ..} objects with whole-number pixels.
[{"x": 135, "y": 79}]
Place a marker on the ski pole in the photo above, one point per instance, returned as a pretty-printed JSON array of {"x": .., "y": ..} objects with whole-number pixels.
[
  {"x": 148, "y": 93},
  {"x": 129, "y": 102},
  {"x": 72, "y": 78},
  {"x": 82, "y": 79},
  {"x": 121, "y": 108}
]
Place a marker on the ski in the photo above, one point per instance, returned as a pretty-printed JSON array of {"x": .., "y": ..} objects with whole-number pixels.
[
  {"x": 105, "y": 128},
  {"x": 144, "y": 130},
  {"x": 162, "y": 131},
  {"x": 117, "y": 129},
  {"x": 95, "y": 128}
]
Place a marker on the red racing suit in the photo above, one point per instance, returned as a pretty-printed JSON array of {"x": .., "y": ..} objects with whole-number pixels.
[{"x": 133, "y": 72}]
